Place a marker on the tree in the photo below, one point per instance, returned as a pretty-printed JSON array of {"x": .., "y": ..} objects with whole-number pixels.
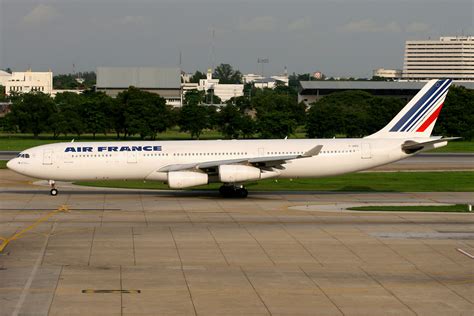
[
  {"x": 457, "y": 115},
  {"x": 277, "y": 115},
  {"x": 32, "y": 112},
  {"x": 68, "y": 118},
  {"x": 243, "y": 103},
  {"x": 350, "y": 113},
  {"x": 229, "y": 121},
  {"x": 192, "y": 119},
  {"x": 227, "y": 75},
  {"x": 211, "y": 98},
  {"x": 195, "y": 117},
  {"x": 194, "y": 97},
  {"x": 70, "y": 81},
  {"x": 95, "y": 112},
  {"x": 233, "y": 122},
  {"x": 3, "y": 95},
  {"x": 197, "y": 76},
  {"x": 144, "y": 113}
]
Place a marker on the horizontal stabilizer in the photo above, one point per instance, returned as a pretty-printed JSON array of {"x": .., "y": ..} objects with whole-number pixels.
[{"x": 411, "y": 147}]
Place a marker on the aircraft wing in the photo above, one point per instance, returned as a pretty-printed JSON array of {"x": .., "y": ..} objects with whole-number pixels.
[{"x": 259, "y": 162}]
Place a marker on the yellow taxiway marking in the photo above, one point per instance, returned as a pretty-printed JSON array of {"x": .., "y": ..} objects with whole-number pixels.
[{"x": 6, "y": 240}]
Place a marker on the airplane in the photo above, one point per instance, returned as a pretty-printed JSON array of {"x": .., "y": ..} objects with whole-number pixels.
[{"x": 184, "y": 164}]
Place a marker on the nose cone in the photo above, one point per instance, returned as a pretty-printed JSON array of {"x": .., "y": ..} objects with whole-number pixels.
[{"x": 10, "y": 164}]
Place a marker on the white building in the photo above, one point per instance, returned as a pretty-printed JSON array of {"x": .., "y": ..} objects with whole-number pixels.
[
  {"x": 387, "y": 73},
  {"x": 448, "y": 57},
  {"x": 4, "y": 76},
  {"x": 262, "y": 82},
  {"x": 223, "y": 91},
  {"x": 24, "y": 82}
]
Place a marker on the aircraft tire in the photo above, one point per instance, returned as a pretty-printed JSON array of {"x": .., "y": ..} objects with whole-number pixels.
[
  {"x": 53, "y": 192},
  {"x": 242, "y": 193}
]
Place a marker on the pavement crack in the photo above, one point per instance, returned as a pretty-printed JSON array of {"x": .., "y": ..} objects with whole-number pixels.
[
  {"x": 90, "y": 249},
  {"x": 218, "y": 246},
  {"x": 256, "y": 292},
  {"x": 26, "y": 288},
  {"x": 261, "y": 247},
  {"x": 389, "y": 291},
  {"x": 55, "y": 289},
  {"x": 133, "y": 246},
  {"x": 183, "y": 273},
  {"x": 321, "y": 289}
]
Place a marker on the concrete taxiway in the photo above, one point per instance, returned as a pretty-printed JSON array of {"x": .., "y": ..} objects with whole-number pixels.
[{"x": 124, "y": 252}]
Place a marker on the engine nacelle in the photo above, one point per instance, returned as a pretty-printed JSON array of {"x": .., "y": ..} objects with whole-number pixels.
[
  {"x": 238, "y": 173},
  {"x": 186, "y": 179}
]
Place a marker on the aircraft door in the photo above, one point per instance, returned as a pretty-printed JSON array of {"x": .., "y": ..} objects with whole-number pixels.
[
  {"x": 131, "y": 157},
  {"x": 366, "y": 153},
  {"x": 47, "y": 157},
  {"x": 261, "y": 152}
]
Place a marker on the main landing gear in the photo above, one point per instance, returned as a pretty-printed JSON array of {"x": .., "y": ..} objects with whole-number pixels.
[
  {"x": 53, "y": 191},
  {"x": 233, "y": 191}
]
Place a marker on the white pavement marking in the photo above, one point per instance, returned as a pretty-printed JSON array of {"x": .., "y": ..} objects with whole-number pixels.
[
  {"x": 26, "y": 288},
  {"x": 465, "y": 253}
]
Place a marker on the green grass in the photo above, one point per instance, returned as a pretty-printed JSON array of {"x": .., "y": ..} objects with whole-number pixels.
[
  {"x": 18, "y": 142},
  {"x": 456, "y": 147},
  {"x": 364, "y": 182},
  {"x": 3, "y": 164},
  {"x": 458, "y": 208}
]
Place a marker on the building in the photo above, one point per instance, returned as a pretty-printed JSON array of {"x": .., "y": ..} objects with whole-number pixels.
[
  {"x": 28, "y": 81},
  {"x": 311, "y": 91},
  {"x": 266, "y": 82},
  {"x": 4, "y": 76},
  {"x": 164, "y": 81},
  {"x": 224, "y": 91},
  {"x": 387, "y": 73},
  {"x": 448, "y": 57}
]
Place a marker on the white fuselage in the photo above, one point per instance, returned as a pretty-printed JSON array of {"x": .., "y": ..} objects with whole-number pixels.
[{"x": 141, "y": 160}]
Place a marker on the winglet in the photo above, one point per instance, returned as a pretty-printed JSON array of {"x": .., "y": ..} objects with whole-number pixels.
[{"x": 313, "y": 152}]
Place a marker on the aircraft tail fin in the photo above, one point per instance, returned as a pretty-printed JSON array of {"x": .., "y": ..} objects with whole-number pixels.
[{"x": 419, "y": 116}]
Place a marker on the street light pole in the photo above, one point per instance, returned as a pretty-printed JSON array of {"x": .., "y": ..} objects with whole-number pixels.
[{"x": 263, "y": 61}]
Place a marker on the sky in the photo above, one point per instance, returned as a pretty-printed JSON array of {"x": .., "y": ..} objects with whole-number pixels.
[{"x": 336, "y": 37}]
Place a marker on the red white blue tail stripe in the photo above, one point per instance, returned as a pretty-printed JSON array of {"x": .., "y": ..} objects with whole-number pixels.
[{"x": 425, "y": 111}]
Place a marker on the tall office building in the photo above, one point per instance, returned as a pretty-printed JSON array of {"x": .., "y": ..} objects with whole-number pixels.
[{"x": 448, "y": 57}]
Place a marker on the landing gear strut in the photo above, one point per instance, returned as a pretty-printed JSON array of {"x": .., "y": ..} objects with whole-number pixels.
[
  {"x": 233, "y": 191},
  {"x": 53, "y": 191}
]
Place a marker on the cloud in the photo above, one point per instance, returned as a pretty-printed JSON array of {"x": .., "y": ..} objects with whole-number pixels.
[
  {"x": 299, "y": 24},
  {"x": 42, "y": 13},
  {"x": 370, "y": 26},
  {"x": 258, "y": 24},
  {"x": 134, "y": 20},
  {"x": 417, "y": 27}
]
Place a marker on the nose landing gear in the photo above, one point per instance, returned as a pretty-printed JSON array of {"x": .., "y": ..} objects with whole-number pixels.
[
  {"x": 53, "y": 191},
  {"x": 233, "y": 191}
]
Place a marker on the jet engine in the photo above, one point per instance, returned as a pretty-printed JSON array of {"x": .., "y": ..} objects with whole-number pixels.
[
  {"x": 238, "y": 173},
  {"x": 186, "y": 179}
]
